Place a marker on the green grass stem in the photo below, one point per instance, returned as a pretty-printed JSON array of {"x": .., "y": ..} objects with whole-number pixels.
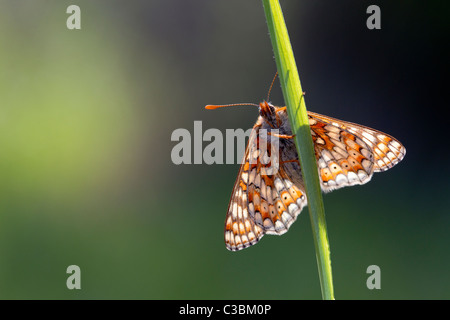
[{"x": 295, "y": 102}]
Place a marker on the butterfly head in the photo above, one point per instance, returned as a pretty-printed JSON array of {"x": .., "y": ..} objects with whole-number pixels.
[
  {"x": 266, "y": 110},
  {"x": 274, "y": 116}
]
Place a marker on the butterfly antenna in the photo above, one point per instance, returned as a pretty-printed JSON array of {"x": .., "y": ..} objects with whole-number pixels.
[
  {"x": 271, "y": 85},
  {"x": 212, "y": 107}
]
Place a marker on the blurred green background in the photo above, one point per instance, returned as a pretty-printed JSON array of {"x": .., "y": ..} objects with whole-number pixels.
[{"x": 86, "y": 177}]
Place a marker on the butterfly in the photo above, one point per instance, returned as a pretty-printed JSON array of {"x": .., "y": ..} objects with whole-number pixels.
[{"x": 265, "y": 201}]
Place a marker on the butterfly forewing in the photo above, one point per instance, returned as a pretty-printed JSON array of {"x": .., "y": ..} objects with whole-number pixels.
[
  {"x": 383, "y": 150},
  {"x": 261, "y": 203},
  {"x": 241, "y": 229}
]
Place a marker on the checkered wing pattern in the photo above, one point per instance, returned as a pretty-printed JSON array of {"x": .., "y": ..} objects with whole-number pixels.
[
  {"x": 261, "y": 203},
  {"x": 348, "y": 154}
]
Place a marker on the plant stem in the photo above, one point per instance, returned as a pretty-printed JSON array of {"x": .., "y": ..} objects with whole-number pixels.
[{"x": 298, "y": 117}]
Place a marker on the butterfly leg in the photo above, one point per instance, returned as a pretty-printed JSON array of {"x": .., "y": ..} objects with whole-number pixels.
[
  {"x": 294, "y": 160},
  {"x": 282, "y": 136}
]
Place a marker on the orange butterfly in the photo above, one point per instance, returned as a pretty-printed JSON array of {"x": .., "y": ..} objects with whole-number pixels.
[{"x": 347, "y": 154}]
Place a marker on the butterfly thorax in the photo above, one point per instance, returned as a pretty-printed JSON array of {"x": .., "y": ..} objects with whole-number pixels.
[{"x": 278, "y": 137}]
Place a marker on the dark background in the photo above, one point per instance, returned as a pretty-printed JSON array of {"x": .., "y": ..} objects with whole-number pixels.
[{"x": 86, "y": 176}]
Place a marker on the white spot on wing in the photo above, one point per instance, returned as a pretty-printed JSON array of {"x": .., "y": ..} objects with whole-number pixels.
[
  {"x": 280, "y": 227},
  {"x": 251, "y": 209},
  {"x": 367, "y": 141},
  {"x": 268, "y": 224},
  {"x": 352, "y": 177},
  {"x": 390, "y": 155},
  {"x": 278, "y": 184},
  {"x": 245, "y": 213},
  {"x": 366, "y": 164},
  {"x": 293, "y": 208},
  {"x": 326, "y": 155},
  {"x": 234, "y": 210},
  {"x": 362, "y": 175},
  {"x": 286, "y": 217},
  {"x": 321, "y": 163},
  {"x": 244, "y": 177},
  {"x": 252, "y": 176},
  {"x": 352, "y": 130},
  {"x": 341, "y": 179},
  {"x": 258, "y": 217},
  {"x": 369, "y": 136}
]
